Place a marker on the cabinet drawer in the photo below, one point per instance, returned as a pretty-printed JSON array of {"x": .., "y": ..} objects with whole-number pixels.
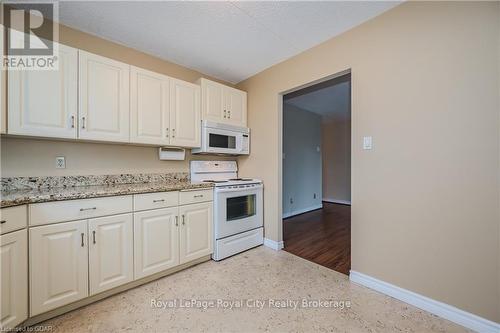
[
  {"x": 194, "y": 196},
  {"x": 156, "y": 200},
  {"x": 59, "y": 211},
  {"x": 13, "y": 218}
]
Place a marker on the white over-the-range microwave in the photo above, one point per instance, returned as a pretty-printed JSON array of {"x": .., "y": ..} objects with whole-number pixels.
[{"x": 219, "y": 138}]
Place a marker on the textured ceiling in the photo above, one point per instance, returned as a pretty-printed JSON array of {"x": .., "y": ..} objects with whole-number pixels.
[
  {"x": 329, "y": 102},
  {"x": 229, "y": 40}
]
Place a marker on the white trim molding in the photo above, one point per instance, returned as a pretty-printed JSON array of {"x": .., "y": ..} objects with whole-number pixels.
[
  {"x": 302, "y": 211},
  {"x": 274, "y": 244},
  {"x": 440, "y": 309},
  {"x": 342, "y": 202}
]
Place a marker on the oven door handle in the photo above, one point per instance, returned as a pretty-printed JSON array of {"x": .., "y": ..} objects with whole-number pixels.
[{"x": 239, "y": 189}]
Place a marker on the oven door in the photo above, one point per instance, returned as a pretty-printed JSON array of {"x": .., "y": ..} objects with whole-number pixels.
[
  {"x": 238, "y": 210},
  {"x": 223, "y": 141}
]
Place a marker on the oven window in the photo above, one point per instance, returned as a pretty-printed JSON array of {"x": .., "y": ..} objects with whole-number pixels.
[
  {"x": 240, "y": 207},
  {"x": 221, "y": 141}
]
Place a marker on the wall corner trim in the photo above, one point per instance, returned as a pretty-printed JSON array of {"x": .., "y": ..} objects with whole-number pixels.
[
  {"x": 437, "y": 308},
  {"x": 274, "y": 244},
  {"x": 302, "y": 211},
  {"x": 337, "y": 201}
]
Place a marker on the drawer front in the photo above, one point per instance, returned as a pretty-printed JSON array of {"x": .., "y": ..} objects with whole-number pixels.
[
  {"x": 60, "y": 211},
  {"x": 156, "y": 200},
  {"x": 13, "y": 218},
  {"x": 195, "y": 196}
]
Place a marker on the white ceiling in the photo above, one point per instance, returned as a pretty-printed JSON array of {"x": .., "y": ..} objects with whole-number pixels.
[
  {"x": 329, "y": 102},
  {"x": 229, "y": 40}
]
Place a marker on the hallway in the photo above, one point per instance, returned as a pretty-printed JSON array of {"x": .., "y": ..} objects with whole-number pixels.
[{"x": 322, "y": 236}]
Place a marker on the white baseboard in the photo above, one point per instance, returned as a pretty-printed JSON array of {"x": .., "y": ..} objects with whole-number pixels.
[
  {"x": 342, "y": 202},
  {"x": 302, "y": 211},
  {"x": 274, "y": 244},
  {"x": 440, "y": 309}
]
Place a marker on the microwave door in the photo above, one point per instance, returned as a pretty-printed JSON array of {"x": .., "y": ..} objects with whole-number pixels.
[{"x": 221, "y": 141}]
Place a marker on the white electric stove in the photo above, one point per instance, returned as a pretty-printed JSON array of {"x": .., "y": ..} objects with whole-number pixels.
[{"x": 238, "y": 207}]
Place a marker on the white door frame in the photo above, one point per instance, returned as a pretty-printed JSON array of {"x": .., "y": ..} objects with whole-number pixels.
[{"x": 280, "y": 139}]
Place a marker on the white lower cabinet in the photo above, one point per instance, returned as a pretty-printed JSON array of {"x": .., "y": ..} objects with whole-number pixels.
[
  {"x": 196, "y": 231},
  {"x": 69, "y": 261},
  {"x": 58, "y": 265},
  {"x": 110, "y": 252},
  {"x": 14, "y": 278},
  {"x": 156, "y": 241}
]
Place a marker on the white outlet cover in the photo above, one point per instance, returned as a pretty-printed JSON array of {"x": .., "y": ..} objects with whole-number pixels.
[{"x": 60, "y": 162}]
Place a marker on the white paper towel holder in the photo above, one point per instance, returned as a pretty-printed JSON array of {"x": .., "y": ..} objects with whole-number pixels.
[{"x": 171, "y": 153}]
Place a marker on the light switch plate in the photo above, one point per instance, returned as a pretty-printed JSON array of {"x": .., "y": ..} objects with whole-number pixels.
[
  {"x": 60, "y": 162},
  {"x": 367, "y": 143}
]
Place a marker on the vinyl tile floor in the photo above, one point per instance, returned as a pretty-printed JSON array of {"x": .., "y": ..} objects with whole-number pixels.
[{"x": 255, "y": 291}]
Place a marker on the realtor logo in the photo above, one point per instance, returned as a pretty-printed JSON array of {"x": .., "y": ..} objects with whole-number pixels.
[{"x": 31, "y": 35}]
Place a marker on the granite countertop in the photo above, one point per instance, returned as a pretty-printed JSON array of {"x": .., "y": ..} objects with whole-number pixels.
[{"x": 15, "y": 197}]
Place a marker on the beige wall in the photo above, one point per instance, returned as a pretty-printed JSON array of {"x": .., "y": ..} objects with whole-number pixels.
[
  {"x": 425, "y": 200},
  {"x": 336, "y": 157},
  {"x": 28, "y": 157}
]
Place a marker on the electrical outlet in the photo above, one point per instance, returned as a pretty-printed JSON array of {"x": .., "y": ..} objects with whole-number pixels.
[
  {"x": 314, "y": 196},
  {"x": 60, "y": 162},
  {"x": 291, "y": 200}
]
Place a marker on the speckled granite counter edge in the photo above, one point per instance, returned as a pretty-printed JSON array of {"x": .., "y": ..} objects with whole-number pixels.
[{"x": 88, "y": 192}]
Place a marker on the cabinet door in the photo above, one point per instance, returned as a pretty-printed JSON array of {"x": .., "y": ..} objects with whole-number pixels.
[
  {"x": 58, "y": 265},
  {"x": 156, "y": 241},
  {"x": 185, "y": 117},
  {"x": 196, "y": 231},
  {"x": 3, "y": 91},
  {"x": 236, "y": 106},
  {"x": 104, "y": 98},
  {"x": 212, "y": 101},
  {"x": 44, "y": 102},
  {"x": 111, "y": 252},
  {"x": 149, "y": 107},
  {"x": 14, "y": 274}
]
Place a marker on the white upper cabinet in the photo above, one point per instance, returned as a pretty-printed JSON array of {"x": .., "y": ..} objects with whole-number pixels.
[
  {"x": 235, "y": 106},
  {"x": 223, "y": 104},
  {"x": 104, "y": 98},
  {"x": 3, "y": 95},
  {"x": 58, "y": 265},
  {"x": 44, "y": 102},
  {"x": 185, "y": 118},
  {"x": 149, "y": 107},
  {"x": 156, "y": 241},
  {"x": 212, "y": 101},
  {"x": 14, "y": 279},
  {"x": 110, "y": 252}
]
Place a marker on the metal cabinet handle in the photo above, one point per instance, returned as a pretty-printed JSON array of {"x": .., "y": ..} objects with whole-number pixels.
[
  {"x": 83, "y": 244},
  {"x": 72, "y": 121},
  {"x": 225, "y": 113},
  {"x": 176, "y": 221},
  {"x": 198, "y": 196},
  {"x": 229, "y": 114},
  {"x": 84, "y": 209},
  {"x": 173, "y": 132},
  {"x": 93, "y": 237},
  {"x": 183, "y": 220},
  {"x": 159, "y": 200},
  {"x": 83, "y": 122},
  {"x": 167, "y": 132},
  {"x": 3, "y": 221}
]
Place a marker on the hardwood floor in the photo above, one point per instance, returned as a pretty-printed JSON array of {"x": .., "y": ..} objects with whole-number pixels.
[{"x": 322, "y": 236}]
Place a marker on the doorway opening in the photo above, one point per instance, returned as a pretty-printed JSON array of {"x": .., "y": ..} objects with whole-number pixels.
[{"x": 316, "y": 172}]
